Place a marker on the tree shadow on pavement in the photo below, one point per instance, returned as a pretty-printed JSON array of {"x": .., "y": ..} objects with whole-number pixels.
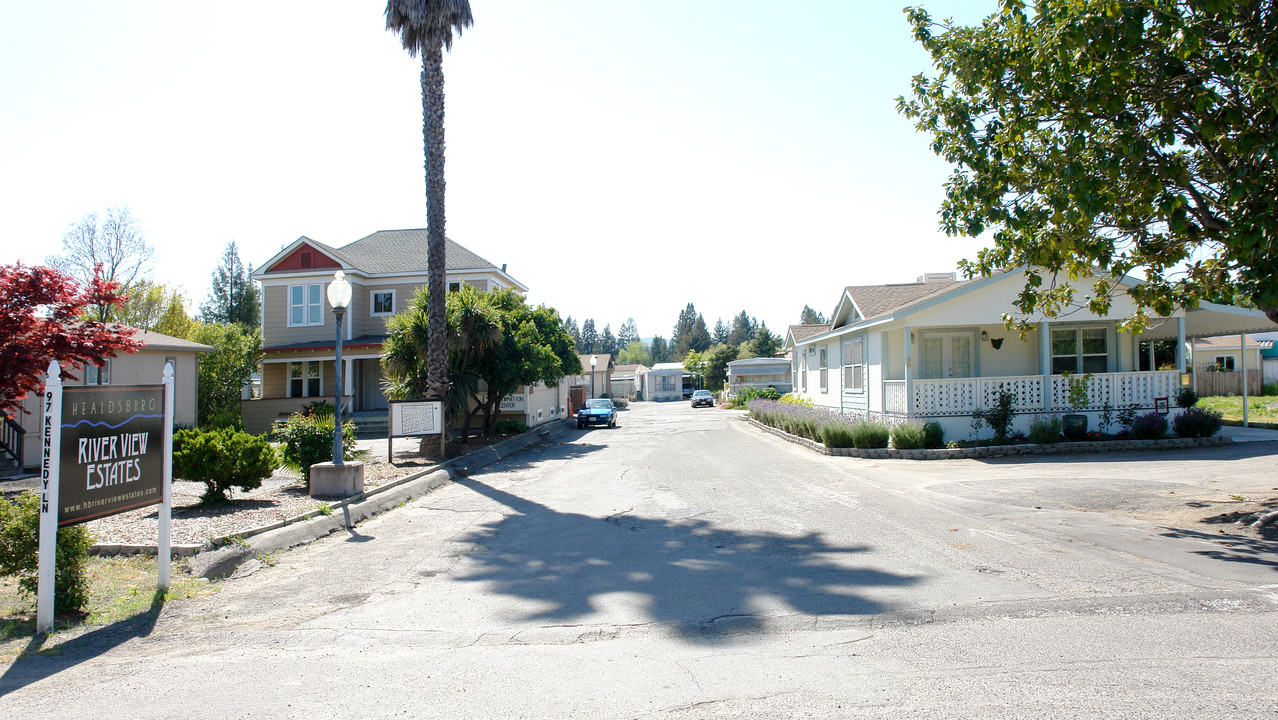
[
  {"x": 701, "y": 581},
  {"x": 1232, "y": 548},
  {"x": 40, "y": 660}
]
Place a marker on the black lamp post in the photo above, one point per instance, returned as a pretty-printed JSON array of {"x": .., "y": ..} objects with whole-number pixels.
[
  {"x": 339, "y": 297},
  {"x": 593, "y": 362}
]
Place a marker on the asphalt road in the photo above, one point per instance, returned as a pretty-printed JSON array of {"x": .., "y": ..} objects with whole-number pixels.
[{"x": 686, "y": 565}]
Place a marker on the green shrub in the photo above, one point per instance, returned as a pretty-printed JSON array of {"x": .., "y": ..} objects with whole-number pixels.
[
  {"x": 1000, "y": 417},
  {"x": 318, "y": 407},
  {"x": 870, "y": 434},
  {"x": 20, "y": 541},
  {"x": 796, "y": 399},
  {"x": 836, "y": 435},
  {"x": 621, "y": 403},
  {"x": 1045, "y": 430},
  {"x": 222, "y": 459},
  {"x": 933, "y": 435},
  {"x": 909, "y": 436},
  {"x": 1186, "y": 397},
  {"x": 1149, "y": 426},
  {"x": 508, "y": 426},
  {"x": 1197, "y": 422},
  {"x": 308, "y": 439},
  {"x": 748, "y": 394}
]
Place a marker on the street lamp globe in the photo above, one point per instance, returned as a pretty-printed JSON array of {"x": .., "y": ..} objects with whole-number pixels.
[{"x": 339, "y": 292}]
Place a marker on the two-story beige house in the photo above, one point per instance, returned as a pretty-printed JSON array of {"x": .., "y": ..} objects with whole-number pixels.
[{"x": 385, "y": 270}]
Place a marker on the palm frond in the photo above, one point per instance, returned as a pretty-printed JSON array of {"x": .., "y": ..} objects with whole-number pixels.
[{"x": 425, "y": 25}]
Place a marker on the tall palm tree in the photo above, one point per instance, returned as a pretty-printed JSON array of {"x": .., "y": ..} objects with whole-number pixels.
[{"x": 426, "y": 27}]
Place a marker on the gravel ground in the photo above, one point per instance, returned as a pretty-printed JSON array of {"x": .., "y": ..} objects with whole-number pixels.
[{"x": 281, "y": 496}]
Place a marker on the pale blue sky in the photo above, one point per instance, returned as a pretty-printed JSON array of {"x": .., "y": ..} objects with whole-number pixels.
[{"x": 737, "y": 155}]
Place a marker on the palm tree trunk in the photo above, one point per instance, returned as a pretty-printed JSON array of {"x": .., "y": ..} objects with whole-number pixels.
[{"x": 433, "y": 139}]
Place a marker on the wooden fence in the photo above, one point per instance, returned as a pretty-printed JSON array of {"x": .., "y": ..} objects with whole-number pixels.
[{"x": 1227, "y": 382}]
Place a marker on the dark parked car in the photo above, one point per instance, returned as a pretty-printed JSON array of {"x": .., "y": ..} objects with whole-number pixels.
[
  {"x": 597, "y": 411},
  {"x": 702, "y": 397}
]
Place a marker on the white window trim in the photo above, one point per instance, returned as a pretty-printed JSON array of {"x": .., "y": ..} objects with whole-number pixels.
[
  {"x": 372, "y": 302},
  {"x": 305, "y": 305},
  {"x": 848, "y": 365},
  {"x": 824, "y": 359},
  {"x": 98, "y": 373},
  {"x": 1078, "y": 354}
]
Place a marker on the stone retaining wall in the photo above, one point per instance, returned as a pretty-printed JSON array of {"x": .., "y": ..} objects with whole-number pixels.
[{"x": 1090, "y": 446}]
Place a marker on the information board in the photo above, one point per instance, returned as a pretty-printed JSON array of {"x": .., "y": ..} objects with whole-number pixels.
[
  {"x": 411, "y": 418},
  {"x": 112, "y": 454}
]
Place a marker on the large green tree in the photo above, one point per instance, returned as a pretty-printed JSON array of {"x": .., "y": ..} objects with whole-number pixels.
[
  {"x": 496, "y": 344},
  {"x": 233, "y": 298},
  {"x": 1125, "y": 136},
  {"x": 426, "y": 27},
  {"x": 589, "y": 336},
  {"x": 690, "y": 333},
  {"x": 715, "y": 365},
  {"x": 223, "y": 373},
  {"x": 635, "y": 353},
  {"x": 743, "y": 329}
]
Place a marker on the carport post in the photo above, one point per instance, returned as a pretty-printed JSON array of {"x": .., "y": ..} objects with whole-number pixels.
[{"x": 1242, "y": 362}]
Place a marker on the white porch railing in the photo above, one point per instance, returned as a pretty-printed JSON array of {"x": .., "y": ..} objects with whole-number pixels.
[
  {"x": 894, "y": 397},
  {"x": 961, "y": 396}
]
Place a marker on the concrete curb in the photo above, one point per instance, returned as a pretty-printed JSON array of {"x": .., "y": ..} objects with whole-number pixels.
[
  {"x": 1061, "y": 448},
  {"x": 220, "y": 557}
]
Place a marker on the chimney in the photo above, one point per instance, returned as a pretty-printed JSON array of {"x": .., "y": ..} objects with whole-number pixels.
[{"x": 936, "y": 277}]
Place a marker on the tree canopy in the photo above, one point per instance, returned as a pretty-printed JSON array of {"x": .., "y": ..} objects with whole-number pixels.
[
  {"x": 234, "y": 297},
  {"x": 224, "y": 372},
  {"x": 40, "y": 311},
  {"x": 113, "y": 248},
  {"x": 811, "y": 317},
  {"x": 690, "y": 333},
  {"x": 1133, "y": 137},
  {"x": 494, "y": 338}
]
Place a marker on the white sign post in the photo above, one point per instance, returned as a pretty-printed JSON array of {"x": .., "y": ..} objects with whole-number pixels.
[
  {"x": 163, "y": 548},
  {"x": 50, "y": 464}
]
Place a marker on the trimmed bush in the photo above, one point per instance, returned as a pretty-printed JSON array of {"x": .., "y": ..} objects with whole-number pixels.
[
  {"x": 909, "y": 436},
  {"x": 933, "y": 435},
  {"x": 1197, "y": 422},
  {"x": 1186, "y": 397},
  {"x": 748, "y": 394},
  {"x": 1149, "y": 426},
  {"x": 1000, "y": 417},
  {"x": 20, "y": 541},
  {"x": 870, "y": 434},
  {"x": 1045, "y": 430},
  {"x": 796, "y": 399},
  {"x": 223, "y": 459},
  {"x": 621, "y": 403},
  {"x": 508, "y": 426},
  {"x": 308, "y": 439}
]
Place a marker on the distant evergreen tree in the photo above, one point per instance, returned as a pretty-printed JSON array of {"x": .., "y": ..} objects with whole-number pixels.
[
  {"x": 720, "y": 333},
  {"x": 660, "y": 350},
  {"x": 588, "y": 336},
  {"x": 628, "y": 333},
  {"x": 743, "y": 329},
  {"x": 690, "y": 333},
  {"x": 570, "y": 327},
  {"x": 764, "y": 343},
  {"x": 811, "y": 317},
  {"x": 607, "y": 341},
  {"x": 234, "y": 297}
]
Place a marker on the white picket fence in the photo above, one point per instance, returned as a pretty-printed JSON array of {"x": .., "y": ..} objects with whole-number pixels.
[{"x": 961, "y": 396}]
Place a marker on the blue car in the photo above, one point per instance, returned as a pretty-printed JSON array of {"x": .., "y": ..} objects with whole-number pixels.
[{"x": 597, "y": 411}]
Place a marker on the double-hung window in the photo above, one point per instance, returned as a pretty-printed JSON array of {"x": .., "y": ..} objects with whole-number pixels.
[
  {"x": 824, "y": 368},
  {"x": 304, "y": 379},
  {"x": 1224, "y": 362},
  {"x": 94, "y": 375},
  {"x": 1080, "y": 350},
  {"x": 854, "y": 365},
  {"x": 306, "y": 304}
]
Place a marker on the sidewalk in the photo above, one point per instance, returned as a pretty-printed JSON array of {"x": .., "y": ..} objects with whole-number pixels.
[{"x": 1249, "y": 434}]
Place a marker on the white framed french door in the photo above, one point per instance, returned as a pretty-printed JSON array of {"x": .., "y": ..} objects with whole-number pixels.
[{"x": 948, "y": 354}]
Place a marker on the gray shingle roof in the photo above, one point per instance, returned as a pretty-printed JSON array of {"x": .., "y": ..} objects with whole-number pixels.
[
  {"x": 878, "y": 300},
  {"x": 807, "y": 330},
  {"x": 396, "y": 251}
]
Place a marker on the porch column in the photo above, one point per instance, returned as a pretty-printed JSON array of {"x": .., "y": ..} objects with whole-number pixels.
[
  {"x": 1180, "y": 343},
  {"x": 1242, "y": 363},
  {"x": 1193, "y": 355},
  {"x": 1045, "y": 362},
  {"x": 909, "y": 381}
]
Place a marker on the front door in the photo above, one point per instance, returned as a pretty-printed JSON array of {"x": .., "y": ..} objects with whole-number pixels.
[{"x": 948, "y": 355}]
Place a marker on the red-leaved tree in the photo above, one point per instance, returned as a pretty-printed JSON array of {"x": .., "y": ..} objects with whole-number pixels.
[{"x": 40, "y": 320}]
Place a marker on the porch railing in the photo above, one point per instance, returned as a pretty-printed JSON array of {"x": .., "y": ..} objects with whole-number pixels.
[
  {"x": 13, "y": 440},
  {"x": 961, "y": 396}
]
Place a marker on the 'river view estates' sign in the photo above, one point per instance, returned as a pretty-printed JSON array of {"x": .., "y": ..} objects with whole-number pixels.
[{"x": 106, "y": 450}]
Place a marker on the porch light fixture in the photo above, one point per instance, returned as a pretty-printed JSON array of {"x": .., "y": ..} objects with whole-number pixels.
[
  {"x": 339, "y": 297},
  {"x": 985, "y": 335}
]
